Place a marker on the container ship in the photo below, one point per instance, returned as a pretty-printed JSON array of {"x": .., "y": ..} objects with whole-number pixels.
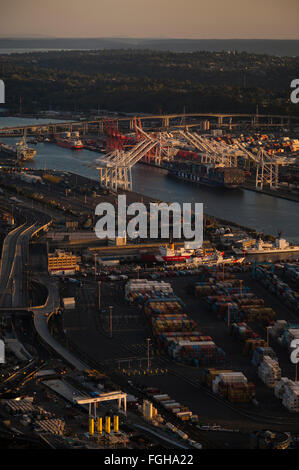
[
  {"x": 20, "y": 151},
  {"x": 70, "y": 140},
  {"x": 210, "y": 174}
]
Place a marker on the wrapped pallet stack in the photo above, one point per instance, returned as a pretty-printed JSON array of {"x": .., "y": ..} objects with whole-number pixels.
[
  {"x": 269, "y": 371},
  {"x": 288, "y": 391},
  {"x": 281, "y": 386},
  {"x": 277, "y": 330},
  {"x": 260, "y": 353},
  {"x": 290, "y": 333}
]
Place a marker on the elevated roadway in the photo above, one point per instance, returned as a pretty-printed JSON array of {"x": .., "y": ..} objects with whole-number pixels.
[
  {"x": 157, "y": 120},
  {"x": 14, "y": 288},
  {"x": 14, "y": 254},
  {"x": 42, "y": 314}
]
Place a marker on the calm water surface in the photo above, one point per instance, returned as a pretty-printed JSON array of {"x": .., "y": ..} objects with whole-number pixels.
[{"x": 259, "y": 211}]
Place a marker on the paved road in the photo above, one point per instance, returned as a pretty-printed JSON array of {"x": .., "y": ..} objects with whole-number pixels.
[
  {"x": 13, "y": 272},
  {"x": 14, "y": 291},
  {"x": 8, "y": 253},
  {"x": 40, "y": 320},
  {"x": 19, "y": 275}
]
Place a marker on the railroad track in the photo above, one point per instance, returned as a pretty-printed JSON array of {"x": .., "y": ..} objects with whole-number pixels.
[{"x": 188, "y": 377}]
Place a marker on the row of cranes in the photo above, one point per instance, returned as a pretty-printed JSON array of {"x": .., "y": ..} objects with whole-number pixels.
[
  {"x": 217, "y": 152},
  {"x": 116, "y": 168},
  {"x": 209, "y": 152}
]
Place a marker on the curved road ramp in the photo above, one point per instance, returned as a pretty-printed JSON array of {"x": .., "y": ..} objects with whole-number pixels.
[{"x": 14, "y": 287}]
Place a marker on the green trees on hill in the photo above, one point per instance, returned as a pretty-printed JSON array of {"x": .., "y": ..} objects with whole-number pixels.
[{"x": 149, "y": 81}]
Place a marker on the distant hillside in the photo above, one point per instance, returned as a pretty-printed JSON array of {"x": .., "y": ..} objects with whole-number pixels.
[
  {"x": 258, "y": 46},
  {"x": 135, "y": 80}
]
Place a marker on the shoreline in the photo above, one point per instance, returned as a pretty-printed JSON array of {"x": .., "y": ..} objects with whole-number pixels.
[
  {"x": 247, "y": 186},
  {"x": 273, "y": 193}
]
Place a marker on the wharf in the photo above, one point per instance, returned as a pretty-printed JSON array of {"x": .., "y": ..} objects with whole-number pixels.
[{"x": 272, "y": 192}]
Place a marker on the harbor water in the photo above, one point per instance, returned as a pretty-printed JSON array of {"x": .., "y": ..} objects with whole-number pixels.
[{"x": 264, "y": 213}]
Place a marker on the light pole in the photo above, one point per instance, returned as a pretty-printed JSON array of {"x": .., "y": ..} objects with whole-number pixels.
[
  {"x": 110, "y": 319},
  {"x": 228, "y": 315},
  {"x": 95, "y": 265},
  {"x": 267, "y": 328},
  {"x": 148, "y": 353},
  {"x": 99, "y": 294}
]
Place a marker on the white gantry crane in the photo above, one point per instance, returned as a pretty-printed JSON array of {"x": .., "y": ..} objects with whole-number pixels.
[
  {"x": 266, "y": 166},
  {"x": 209, "y": 152},
  {"x": 116, "y": 169},
  {"x": 116, "y": 172}
]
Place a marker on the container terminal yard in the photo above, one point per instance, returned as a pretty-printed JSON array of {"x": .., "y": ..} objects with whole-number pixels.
[{"x": 138, "y": 343}]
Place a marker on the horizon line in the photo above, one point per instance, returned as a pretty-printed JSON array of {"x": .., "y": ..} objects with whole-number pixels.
[{"x": 18, "y": 37}]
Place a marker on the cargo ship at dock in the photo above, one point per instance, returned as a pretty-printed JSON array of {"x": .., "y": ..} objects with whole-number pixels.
[
  {"x": 168, "y": 254},
  {"x": 260, "y": 247},
  {"x": 20, "y": 151},
  {"x": 70, "y": 141},
  {"x": 73, "y": 144},
  {"x": 211, "y": 174}
]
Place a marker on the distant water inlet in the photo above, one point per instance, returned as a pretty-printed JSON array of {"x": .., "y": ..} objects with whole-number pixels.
[{"x": 259, "y": 211}]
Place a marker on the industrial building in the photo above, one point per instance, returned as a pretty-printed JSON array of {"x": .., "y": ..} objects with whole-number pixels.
[{"x": 61, "y": 262}]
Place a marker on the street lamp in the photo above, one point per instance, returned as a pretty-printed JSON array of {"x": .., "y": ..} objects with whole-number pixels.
[
  {"x": 99, "y": 294},
  {"x": 268, "y": 328},
  {"x": 110, "y": 319},
  {"x": 148, "y": 353},
  {"x": 228, "y": 315},
  {"x": 95, "y": 265}
]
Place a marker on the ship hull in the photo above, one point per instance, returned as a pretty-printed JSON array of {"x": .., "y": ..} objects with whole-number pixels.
[
  {"x": 159, "y": 258},
  {"x": 7, "y": 152},
  {"x": 13, "y": 154},
  {"x": 268, "y": 252},
  {"x": 201, "y": 181},
  {"x": 70, "y": 146}
]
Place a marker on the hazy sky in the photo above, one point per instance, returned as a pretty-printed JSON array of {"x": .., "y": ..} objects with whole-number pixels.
[{"x": 151, "y": 18}]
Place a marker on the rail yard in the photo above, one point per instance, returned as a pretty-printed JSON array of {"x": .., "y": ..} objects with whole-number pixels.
[{"x": 139, "y": 343}]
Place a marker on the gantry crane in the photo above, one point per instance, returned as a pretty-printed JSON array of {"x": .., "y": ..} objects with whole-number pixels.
[
  {"x": 266, "y": 166},
  {"x": 165, "y": 150},
  {"x": 116, "y": 171},
  {"x": 209, "y": 152}
]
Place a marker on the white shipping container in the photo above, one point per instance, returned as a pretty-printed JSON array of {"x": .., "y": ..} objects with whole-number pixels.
[
  {"x": 161, "y": 397},
  {"x": 69, "y": 303},
  {"x": 171, "y": 405}
]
